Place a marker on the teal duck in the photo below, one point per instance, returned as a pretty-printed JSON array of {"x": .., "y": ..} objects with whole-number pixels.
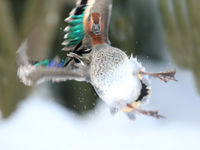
[{"x": 119, "y": 80}]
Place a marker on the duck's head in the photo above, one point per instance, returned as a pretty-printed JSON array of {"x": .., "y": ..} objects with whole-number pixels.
[
  {"x": 95, "y": 25},
  {"x": 95, "y": 28}
]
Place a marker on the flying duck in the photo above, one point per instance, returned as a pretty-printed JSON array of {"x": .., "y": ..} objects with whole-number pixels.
[{"x": 119, "y": 80}]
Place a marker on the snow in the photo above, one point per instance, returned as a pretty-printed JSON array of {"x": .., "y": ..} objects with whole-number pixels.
[{"x": 41, "y": 124}]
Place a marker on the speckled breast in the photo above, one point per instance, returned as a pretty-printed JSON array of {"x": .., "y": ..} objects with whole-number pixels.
[
  {"x": 105, "y": 64},
  {"x": 110, "y": 74}
]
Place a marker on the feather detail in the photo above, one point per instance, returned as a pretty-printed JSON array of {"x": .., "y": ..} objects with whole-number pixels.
[
  {"x": 42, "y": 63},
  {"x": 72, "y": 42},
  {"x": 75, "y": 31},
  {"x": 56, "y": 62},
  {"x": 70, "y": 15},
  {"x": 69, "y": 48},
  {"x": 73, "y": 35},
  {"x": 66, "y": 29},
  {"x": 75, "y": 22}
]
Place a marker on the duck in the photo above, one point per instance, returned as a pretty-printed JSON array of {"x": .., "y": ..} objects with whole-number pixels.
[{"x": 119, "y": 80}]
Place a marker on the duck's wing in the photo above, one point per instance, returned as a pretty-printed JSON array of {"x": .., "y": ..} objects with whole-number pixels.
[
  {"x": 76, "y": 36},
  {"x": 31, "y": 74},
  {"x": 77, "y": 41}
]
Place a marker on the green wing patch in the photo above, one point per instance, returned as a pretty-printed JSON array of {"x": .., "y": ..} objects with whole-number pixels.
[{"x": 74, "y": 30}]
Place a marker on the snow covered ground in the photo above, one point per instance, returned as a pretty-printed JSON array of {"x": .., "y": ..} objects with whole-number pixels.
[{"x": 41, "y": 124}]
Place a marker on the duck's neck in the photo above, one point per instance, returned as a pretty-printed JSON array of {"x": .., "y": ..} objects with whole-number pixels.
[{"x": 97, "y": 39}]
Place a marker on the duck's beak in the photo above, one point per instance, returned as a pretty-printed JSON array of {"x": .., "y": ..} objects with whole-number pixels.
[{"x": 96, "y": 29}]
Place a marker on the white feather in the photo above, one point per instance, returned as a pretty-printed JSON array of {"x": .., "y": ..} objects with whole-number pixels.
[
  {"x": 123, "y": 86},
  {"x": 23, "y": 73},
  {"x": 65, "y": 36},
  {"x": 66, "y": 29}
]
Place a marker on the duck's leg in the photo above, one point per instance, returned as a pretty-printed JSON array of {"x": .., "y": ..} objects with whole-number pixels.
[
  {"x": 164, "y": 76},
  {"x": 130, "y": 112},
  {"x": 152, "y": 113},
  {"x": 133, "y": 107}
]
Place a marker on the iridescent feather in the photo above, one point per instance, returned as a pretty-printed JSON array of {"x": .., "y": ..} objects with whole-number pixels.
[
  {"x": 75, "y": 30},
  {"x": 74, "y": 33}
]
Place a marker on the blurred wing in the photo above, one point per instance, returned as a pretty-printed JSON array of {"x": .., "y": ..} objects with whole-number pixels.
[
  {"x": 76, "y": 36},
  {"x": 31, "y": 75},
  {"x": 34, "y": 74}
]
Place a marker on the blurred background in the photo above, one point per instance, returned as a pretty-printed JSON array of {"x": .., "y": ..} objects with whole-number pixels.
[{"x": 163, "y": 34}]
